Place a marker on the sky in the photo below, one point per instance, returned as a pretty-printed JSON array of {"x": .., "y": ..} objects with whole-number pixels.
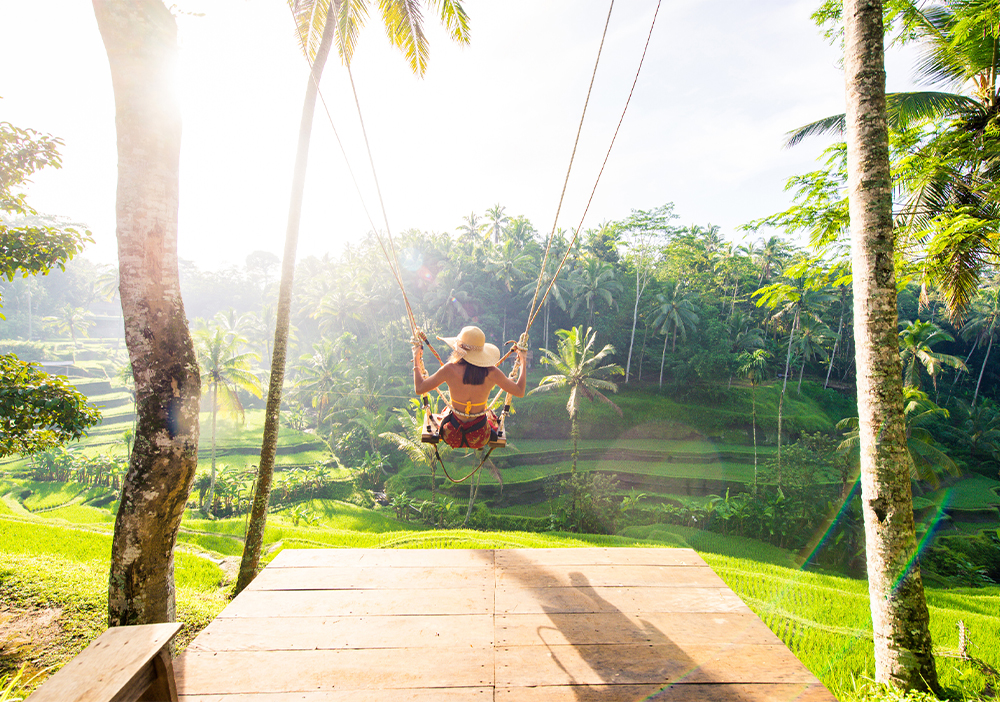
[{"x": 491, "y": 123}]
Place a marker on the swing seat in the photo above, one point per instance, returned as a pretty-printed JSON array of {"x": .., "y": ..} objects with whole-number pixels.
[{"x": 431, "y": 431}]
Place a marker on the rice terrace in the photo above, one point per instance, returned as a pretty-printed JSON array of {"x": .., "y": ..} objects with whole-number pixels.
[{"x": 580, "y": 443}]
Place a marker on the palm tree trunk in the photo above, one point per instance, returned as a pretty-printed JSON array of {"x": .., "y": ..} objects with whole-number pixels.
[
  {"x": 986, "y": 360},
  {"x": 140, "y": 37},
  {"x": 833, "y": 354},
  {"x": 899, "y": 610},
  {"x": 635, "y": 320},
  {"x": 784, "y": 385},
  {"x": 753, "y": 423},
  {"x": 663, "y": 357},
  {"x": 802, "y": 369},
  {"x": 265, "y": 472},
  {"x": 215, "y": 413},
  {"x": 642, "y": 351}
]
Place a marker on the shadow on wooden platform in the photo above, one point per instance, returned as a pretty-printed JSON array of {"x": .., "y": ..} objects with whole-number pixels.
[{"x": 547, "y": 624}]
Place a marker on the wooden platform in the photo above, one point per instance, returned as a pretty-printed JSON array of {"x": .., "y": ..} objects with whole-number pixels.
[{"x": 518, "y": 625}]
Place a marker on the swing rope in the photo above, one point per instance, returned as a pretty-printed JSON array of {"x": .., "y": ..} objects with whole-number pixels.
[{"x": 389, "y": 252}]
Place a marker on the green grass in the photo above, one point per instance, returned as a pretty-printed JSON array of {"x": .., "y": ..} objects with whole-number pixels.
[
  {"x": 36, "y": 538},
  {"x": 221, "y": 545},
  {"x": 335, "y": 514},
  {"x": 974, "y": 492},
  {"x": 722, "y": 470},
  {"x": 81, "y": 514},
  {"x": 44, "y": 494}
]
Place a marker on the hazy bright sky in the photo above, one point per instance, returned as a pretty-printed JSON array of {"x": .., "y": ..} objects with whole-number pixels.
[{"x": 491, "y": 123}]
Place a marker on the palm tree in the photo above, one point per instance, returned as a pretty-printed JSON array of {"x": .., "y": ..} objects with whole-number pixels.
[
  {"x": 675, "y": 312},
  {"x": 593, "y": 280},
  {"x": 948, "y": 175},
  {"x": 771, "y": 257},
  {"x": 811, "y": 343},
  {"x": 471, "y": 227},
  {"x": 926, "y": 459},
  {"x": 753, "y": 367},
  {"x": 790, "y": 300},
  {"x": 224, "y": 372},
  {"x": 404, "y": 27},
  {"x": 140, "y": 37},
  {"x": 915, "y": 342},
  {"x": 497, "y": 220},
  {"x": 900, "y": 620},
  {"x": 507, "y": 266},
  {"x": 643, "y": 229},
  {"x": 75, "y": 321},
  {"x": 408, "y": 441},
  {"x": 983, "y": 324},
  {"x": 579, "y": 369},
  {"x": 557, "y": 293}
]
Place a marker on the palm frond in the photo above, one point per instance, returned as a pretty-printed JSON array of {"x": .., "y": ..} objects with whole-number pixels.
[
  {"x": 828, "y": 126},
  {"x": 404, "y": 27},
  {"x": 455, "y": 19},
  {"x": 606, "y": 400}
]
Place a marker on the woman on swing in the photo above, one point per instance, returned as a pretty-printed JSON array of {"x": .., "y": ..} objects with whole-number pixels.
[{"x": 470, "y": 374}]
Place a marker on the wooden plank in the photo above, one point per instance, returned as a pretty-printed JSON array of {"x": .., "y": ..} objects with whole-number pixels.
[
  {"x": 308, "y": 633},
  {"x": 119, "y": 659},
  {"x": 705, "y": 692},
  {"x": 328, "y": 603},
  {"x": 380, "y": 557},
  {"x": 598, "y": 556},
  {"x": 229, "y": 672},
  {"x": 437, "y": 694},
  {"x": 645, "y": 627},
  {"x": 607, "y": 576},
  {"x": 366, "y": 577},
  {"x": 657, "y": 664},
  {"x": 616, "y": 599}
]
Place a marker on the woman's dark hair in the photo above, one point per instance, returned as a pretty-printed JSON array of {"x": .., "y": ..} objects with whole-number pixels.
[{"x": 473, "y": 375}]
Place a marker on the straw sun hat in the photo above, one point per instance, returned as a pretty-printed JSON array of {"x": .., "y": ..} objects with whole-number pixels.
[{"x": 471, "y": 345}]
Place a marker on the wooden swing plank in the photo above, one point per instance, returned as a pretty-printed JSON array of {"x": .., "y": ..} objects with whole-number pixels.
[
  {"x": 696, "y": 692},
  {"x": 366, "y": 578},
  {"x": 618, "y": 627},
  {"x": 329, "y": 603},
  {"x": 598, "y": 556},
  {"x": 616, "y": 599},
  {"x": 382, "y": 558},
  {"x": 313, "y": 633},
  {"x": 608, "y": 576},
  {"x": 424, "y": 694},
  {"x": 521, "y": 666},
  {"x": 222, "y": 672}
]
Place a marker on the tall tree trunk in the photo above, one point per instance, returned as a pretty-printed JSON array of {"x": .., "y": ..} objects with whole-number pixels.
[
  {"x": 899, "y": 611},
  {"x": 663, "y": 357},
  {"x": 784, "y": 385},
  {"x": 265, "y": 472},
  {"x": 215, "y": 414},
  {"x": 833, "y": 354},
  {"x": 140, "y": 37},
  {"x": 986, "y": 360},
  {"x": 635, "y": 320},
  {"x": 753, "y": 423}
]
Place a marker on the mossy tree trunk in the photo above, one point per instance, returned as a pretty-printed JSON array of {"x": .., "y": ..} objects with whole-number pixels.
[
  {"x": 899, "y": 611},
  {"x": 140, "y": 37}
]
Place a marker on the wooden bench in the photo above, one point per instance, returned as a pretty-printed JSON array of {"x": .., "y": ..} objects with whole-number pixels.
[{"x": 124, "y": 664}]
